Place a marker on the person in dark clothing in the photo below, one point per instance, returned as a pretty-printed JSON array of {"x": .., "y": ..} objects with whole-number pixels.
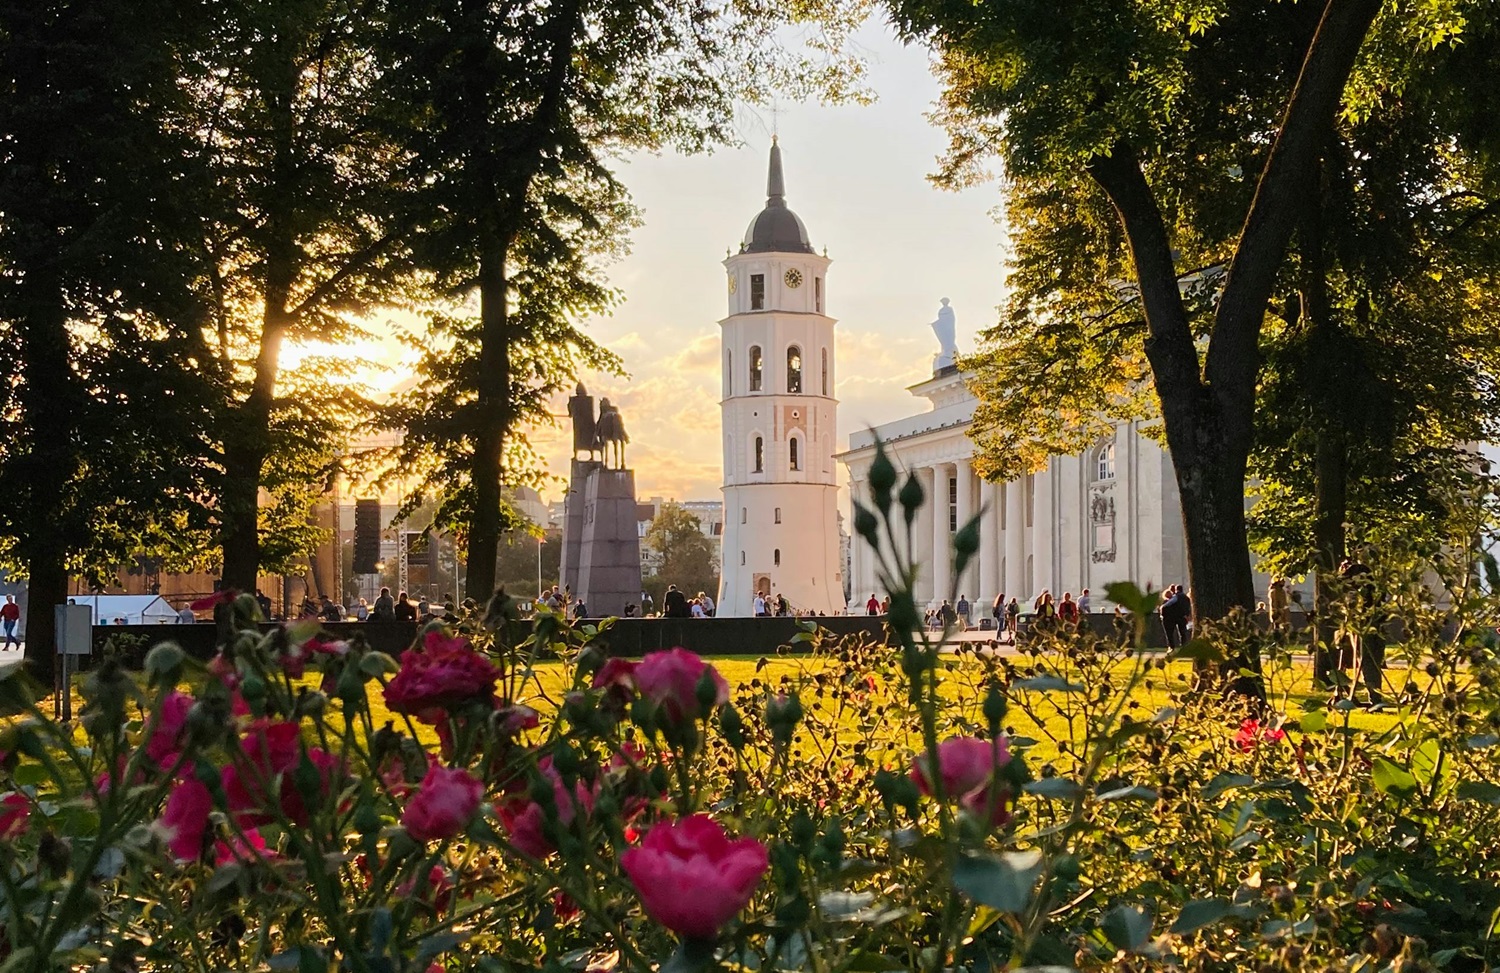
[
  {"x": 675, "y": 604},
  {"x": 782, "y": 606},
  {"x": 1171, "y": 618},
  {"x": 385, "y": 607},
  {"x": 405, "y": 610},
  {"x": 264, "y": 603},
  {"x": 1368, "y": 638}
]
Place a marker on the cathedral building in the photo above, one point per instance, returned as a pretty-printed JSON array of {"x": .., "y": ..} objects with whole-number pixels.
[
  {"x": 781, "y": 522},
  {"x": 1108, "y": 514}
]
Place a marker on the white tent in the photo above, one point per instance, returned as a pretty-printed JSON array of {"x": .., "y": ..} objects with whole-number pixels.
[{"x": 135, "y": 609}]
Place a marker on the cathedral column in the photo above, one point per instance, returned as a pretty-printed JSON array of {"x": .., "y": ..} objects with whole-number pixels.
[
  {"x": 942, "y": 537},
  {"x": 1015, "y": 545},
  {"x": 989, "y": 546},
  {"x": 1043, "y": 530},
  {"x": 858, "y": 588},
  {"x": 921, "y": 537},
  {"x": 964, "y": 504}
]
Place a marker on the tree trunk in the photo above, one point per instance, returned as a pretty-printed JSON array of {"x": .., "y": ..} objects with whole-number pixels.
[
  {"x": 1331, "y": 471},
  {"x": 50, "y": 462},
  {"x": 249, "y": 427},
  {"x": 494, "y": 410}
]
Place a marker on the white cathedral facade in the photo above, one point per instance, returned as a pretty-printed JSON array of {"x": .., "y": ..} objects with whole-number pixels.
[{"x": 781, "y": 521}]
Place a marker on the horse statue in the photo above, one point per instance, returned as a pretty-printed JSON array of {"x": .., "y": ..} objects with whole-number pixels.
[{"x": 609, "y": 430}]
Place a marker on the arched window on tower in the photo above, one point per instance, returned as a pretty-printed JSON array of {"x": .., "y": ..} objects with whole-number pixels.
[
  {"x": 792, "y": 454},
  {"x": 760, "y": 455},
  {"x": 794, "y": 370},
  {"x": 825, "y": 371},
  {"x": 777, "y": 557},
  {"x": 728, "y": 374},
  {"x": 755, "y": 368},
  {"x": 1104, "y": 462}
]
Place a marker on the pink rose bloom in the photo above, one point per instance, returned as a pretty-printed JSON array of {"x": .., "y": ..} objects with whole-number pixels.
[
  {"x": 15, "y": 809},
  {"x": 523, "y": 819},
  {"x": 185, "y": 819},
  {"x": 448, "y": 674},
  {"x": 274, "y": 750},
  {"x": 436, "y": 889},
  {"x": 1251, "y": 733},
  {"x": 670, "y": 680},
  {"x": 165, "y": 744},
  {"x": 692, "y": 878},
  {"x": 443, "y": 804},
  {"x": 967, "y": 766}
]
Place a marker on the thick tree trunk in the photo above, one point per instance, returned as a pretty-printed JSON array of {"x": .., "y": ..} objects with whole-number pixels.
[
  {"x": 1209, "y": 411},
  {"x": 494, "y": 409},
  {"x": 239, "y": 502}
]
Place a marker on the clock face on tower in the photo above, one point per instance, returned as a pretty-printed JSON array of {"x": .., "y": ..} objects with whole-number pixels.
[
  {"x": 733, "y": 283},
  {"x": 793, "y": 278}
]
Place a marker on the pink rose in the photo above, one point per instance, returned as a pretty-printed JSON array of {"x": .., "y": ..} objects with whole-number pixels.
[
  {"x": 449, "y": 673},
  {"x": 523, "y": 819},
  {"x": 1251, "y": 733},
  {"x": 691, "y": 878},
  {"x": 617, "y": 678},
  {"x": 274, "y": 750},
  {"x": 443, "y": 804},
  {"x": 15, "y": 809},
  {"x": 967, "y": 766},
  {"x": 185, "y": 819},
  {"x": 165, "y": 745},
  {"x": 670, "y": 680}
]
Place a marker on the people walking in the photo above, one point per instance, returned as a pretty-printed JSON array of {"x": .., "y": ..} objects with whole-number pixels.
[
  {"x": 761, "y": 609},
  {"x": 872, "y": 607},
  {"x": 10, "y": 617},
  {"x": 1012, "y": 618},
  {"x": 964, "y": 610}
]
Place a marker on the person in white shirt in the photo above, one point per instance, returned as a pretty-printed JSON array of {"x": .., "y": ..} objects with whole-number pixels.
[
  {"x": 707, "y": 603},
  {"x": 760, "y": 606},
  {"x": 1083, "y": 602},
  {"x": 698, "y": 611}
]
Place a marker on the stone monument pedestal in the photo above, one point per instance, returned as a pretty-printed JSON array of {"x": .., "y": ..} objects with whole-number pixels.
[{"x": 601, "y": 547}]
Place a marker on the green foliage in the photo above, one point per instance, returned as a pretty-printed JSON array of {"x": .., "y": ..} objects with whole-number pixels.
[
  {"x": 1180, "y": 837},
  {"x": 683, "y": 555}
]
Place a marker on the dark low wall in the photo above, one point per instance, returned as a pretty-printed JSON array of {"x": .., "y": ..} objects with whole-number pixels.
[
  {"x": 628, "y": 636},
  {"x": 728, "y": 636}
]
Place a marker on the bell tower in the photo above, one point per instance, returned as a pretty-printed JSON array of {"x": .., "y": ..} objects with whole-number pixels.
[{"x": 781, "y": 533}]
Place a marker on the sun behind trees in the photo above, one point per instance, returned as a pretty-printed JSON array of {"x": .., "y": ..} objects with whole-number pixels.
[{"x": 186, "y": 192}]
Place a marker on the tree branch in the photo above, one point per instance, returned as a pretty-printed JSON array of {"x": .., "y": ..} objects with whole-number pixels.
[{"x": 1233, "y": 353}]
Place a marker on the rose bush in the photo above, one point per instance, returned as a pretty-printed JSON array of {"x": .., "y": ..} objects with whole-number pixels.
[{"x": 298, "y": 803}]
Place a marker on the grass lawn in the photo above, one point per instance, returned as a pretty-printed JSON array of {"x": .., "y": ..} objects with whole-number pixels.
[{"x": 1047, "y": 722}]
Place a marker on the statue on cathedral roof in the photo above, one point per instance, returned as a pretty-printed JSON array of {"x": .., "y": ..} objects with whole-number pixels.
[{"x": 944, "y": 327}]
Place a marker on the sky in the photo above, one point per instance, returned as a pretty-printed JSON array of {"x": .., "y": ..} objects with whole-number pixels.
[{"x": 857, "y": 175}]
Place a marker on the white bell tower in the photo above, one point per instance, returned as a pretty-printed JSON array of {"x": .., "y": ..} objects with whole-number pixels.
[{"x": 781, "y": 533}]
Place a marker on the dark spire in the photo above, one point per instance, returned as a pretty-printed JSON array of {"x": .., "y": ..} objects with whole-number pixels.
[
  {"x": 775, "y": 182},
  {"x": 776, "y": 229}
]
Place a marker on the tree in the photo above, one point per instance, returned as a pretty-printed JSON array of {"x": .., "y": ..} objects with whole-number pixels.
[
  {"x": 101, "y": 425},
  {"x": 1127, "y": 95},
  {"x": 303, "y": 236},
  {"x": 512, "y": 113},
  {"x": 686, "y": 557}
]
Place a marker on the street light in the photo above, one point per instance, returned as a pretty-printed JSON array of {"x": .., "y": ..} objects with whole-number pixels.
[{"x": 539, "y": 542}]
